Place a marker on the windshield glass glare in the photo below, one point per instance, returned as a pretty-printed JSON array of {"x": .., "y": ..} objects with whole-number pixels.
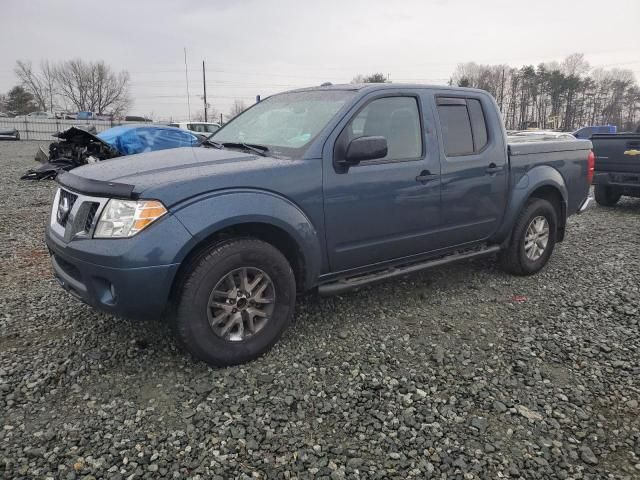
[{"x": 284, "y": 123}]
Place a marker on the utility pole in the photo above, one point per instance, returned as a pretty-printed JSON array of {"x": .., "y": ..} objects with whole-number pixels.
[
  {"x": 186, "y": 75},
  {"x": 204, "y": 85}
]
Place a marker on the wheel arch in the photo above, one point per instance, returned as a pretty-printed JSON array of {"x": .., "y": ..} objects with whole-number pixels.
[
  {"x": 553, "y": 195},
  {"x": 542, "y": 182},
  {"x": 250, "y": 214},
  {"x": 268, "y": 233}
]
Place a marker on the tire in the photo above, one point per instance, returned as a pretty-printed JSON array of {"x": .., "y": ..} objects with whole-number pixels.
[
  {"x": 206, "y": 296},
  {"x": 515, "y": 257},
  {"x": 607, "y": 196}
]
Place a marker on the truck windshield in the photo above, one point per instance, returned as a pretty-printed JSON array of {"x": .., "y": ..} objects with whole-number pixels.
[{"x": 284, "y": 123}]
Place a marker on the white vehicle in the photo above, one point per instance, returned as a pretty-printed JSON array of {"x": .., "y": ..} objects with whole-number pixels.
[
  {"x": 41, "y": 115},
  {"x": 197, "y": 127}
]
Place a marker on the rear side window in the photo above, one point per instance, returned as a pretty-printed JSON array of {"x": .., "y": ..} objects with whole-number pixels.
[
  {"x": 456, "y": 129},
  {"x": 463, "y": 126}
]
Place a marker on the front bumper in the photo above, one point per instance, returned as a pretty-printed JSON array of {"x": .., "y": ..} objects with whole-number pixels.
[
  {"x": 131, "y": 292},
  {"x": 141, "y": 292}
]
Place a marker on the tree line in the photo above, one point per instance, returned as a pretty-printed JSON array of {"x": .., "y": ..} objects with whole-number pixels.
[
  {"x": 557, "y": 95},
  {"x": 75, "y": 84},
  {"x": 554, "y": 95}
]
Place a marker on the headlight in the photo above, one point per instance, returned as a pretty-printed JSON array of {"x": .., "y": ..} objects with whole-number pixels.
[{"x": 125, "y": 218}]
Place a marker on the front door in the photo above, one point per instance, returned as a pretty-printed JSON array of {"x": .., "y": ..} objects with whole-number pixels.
[{"x": 386, "y": 208}]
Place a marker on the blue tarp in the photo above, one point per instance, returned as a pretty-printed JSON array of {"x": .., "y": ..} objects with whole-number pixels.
[{"x": 132, "y": 139}]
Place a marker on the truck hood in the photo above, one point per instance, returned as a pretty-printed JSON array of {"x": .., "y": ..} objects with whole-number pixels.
[{"x": 175, "y": 175}]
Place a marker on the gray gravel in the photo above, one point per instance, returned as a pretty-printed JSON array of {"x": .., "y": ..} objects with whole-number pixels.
[{"x": 461, "y": 372}]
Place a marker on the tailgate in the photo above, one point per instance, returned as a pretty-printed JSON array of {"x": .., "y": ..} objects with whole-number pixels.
[{"x": 617, "y": 153}]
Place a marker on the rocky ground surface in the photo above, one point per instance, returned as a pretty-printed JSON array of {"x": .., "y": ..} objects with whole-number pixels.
[{"x": 461, "y": 372}]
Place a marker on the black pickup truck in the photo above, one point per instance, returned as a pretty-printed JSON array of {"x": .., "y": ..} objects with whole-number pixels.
[{"x": 617, "y": 167}]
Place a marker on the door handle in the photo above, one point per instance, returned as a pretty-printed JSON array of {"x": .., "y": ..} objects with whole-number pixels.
[
  {"x": 493, "y": 168},
  {"x": 426, "y": 176}
]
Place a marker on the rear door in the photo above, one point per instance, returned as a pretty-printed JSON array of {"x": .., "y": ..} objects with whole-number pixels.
[
  {"x": 474, "y": 166},
  {"x": 386, "y": 208}
]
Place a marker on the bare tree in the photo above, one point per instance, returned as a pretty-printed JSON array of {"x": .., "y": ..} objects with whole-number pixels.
[
  {"x": 212, "y": 115},
  {"x": 373, "y": 78},
  {"x": 39, "y": 84},
  {"x": 237, "y": 108},
  {"x": 560, "y": 95},
  {"x": 93, "y": 86},
  {"x": 575, "y": 64}
]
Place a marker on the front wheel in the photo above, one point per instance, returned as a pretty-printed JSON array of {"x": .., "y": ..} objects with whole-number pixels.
[
  {"x": 532, "y": 240},
  {"x": 607, "y": 196},
  {"x": 235, "y": 302}
]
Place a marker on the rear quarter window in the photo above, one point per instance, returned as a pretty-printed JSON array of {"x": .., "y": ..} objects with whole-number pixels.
[{"x": 478, "y": 124}]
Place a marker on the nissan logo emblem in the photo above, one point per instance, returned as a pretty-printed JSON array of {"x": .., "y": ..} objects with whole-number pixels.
[{"x": 64, "y": 208}]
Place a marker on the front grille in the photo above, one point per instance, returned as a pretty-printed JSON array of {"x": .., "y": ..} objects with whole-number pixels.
[
  {"x": 91, "y": 215},
  {"x": 65, "y": 204}
]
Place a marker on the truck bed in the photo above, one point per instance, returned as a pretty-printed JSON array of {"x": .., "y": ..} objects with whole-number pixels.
[{"x": 567, "y": 157}]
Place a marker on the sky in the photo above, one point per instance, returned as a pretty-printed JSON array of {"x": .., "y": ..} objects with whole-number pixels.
[{"x": 253, "y": 47}]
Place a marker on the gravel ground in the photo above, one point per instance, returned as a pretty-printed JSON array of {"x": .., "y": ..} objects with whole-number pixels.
[{"x": 460, "y": 372}]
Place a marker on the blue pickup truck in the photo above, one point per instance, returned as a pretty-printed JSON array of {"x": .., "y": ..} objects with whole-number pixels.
[{"x": 326, "y": 188}]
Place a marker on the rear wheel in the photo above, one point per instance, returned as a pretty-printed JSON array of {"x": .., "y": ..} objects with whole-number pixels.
[
  {"x": 607, "y": 196},
  {"x": 532, "y": 239},
  {"x": 236, "y": 301}
]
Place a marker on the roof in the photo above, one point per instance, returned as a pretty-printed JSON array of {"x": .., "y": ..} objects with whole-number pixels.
[{"x": 382, "y": 86}]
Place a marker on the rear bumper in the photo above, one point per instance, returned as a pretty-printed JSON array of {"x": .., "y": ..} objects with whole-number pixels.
[
  {"x": 617, "y": 179},
  {"x": 140, "y": 292},
  {"x": 626, "y": 183}
]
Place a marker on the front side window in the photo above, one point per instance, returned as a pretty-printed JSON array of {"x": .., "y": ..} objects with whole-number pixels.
[
  {"x": 395, "y": 118},
  {"x": 285, "y": 123}
]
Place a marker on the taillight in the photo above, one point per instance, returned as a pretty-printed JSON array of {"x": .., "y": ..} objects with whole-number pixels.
[{"x": 591, "y": 166}]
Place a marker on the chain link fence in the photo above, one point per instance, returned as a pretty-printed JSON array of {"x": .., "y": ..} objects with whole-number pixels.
[{"x": 43, "y": 129}]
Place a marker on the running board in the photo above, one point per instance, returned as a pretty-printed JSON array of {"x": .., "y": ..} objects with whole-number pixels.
[{"x": 350, "y": 283}]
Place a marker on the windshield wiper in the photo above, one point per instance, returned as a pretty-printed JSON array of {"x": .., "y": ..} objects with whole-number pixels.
[
  {"x": 212, "y": 143},
  {"x": 259, "y": 149}
]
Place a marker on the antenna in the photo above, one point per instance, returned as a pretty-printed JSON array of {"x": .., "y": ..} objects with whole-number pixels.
[
  {"x": 204, "y": 86},
  {"x": 186, "y": 75}
]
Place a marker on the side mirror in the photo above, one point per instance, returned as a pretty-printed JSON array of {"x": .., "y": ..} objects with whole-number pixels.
[{"x": 365, "y": 148}]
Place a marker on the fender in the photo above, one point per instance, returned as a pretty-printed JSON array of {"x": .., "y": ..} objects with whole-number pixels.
[
  {"x": 207, "y": 214},
  {"x": 530, "y": 181}
]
